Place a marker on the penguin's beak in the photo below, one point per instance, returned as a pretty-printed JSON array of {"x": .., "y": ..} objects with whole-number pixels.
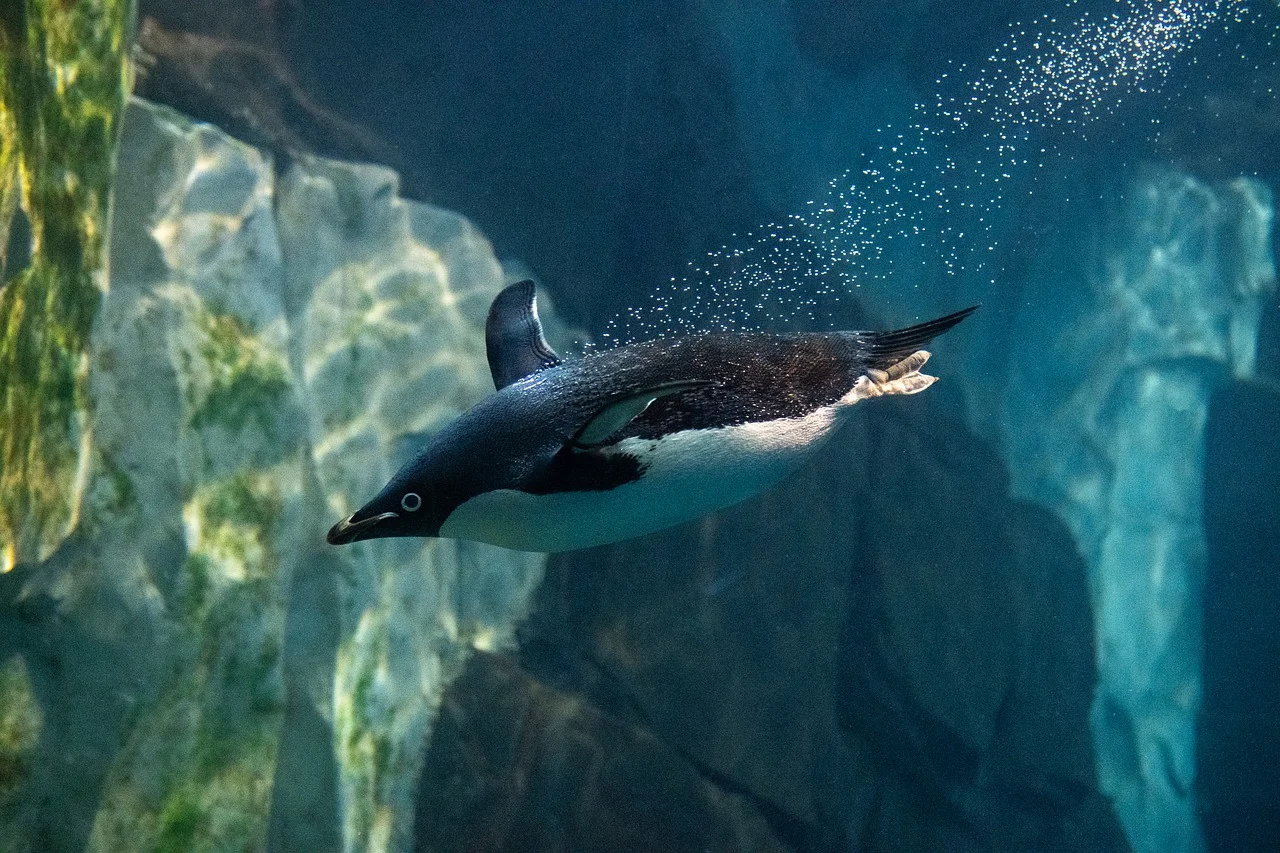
[{"x": 346, "y": 531}]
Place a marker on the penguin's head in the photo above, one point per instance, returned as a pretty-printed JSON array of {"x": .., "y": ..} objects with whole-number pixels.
[{"x": 410, "y": 505}]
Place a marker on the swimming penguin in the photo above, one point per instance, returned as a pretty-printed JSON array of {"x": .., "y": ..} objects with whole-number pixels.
[{"x": 626, "y": 441}]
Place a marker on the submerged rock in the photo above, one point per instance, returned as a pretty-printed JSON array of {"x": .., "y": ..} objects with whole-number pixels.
[
  {"x": 1128, "y": 330},
  {"x": 20, "y": 728},
  {"x": 885, "y": 653},
  {"x": 57, "y": 149},
  {"x": 517, "y": 765},
  {"x": 1237, "y": 741},
  {"x": 271, "y": 348}
]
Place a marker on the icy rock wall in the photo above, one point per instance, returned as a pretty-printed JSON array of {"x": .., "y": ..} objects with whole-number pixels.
[
  {"x": 1125, "y": 334},
  {"x": 269, "y": 351}
]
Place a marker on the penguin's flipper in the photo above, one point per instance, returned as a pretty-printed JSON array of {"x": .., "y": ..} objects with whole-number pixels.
[
  {"x": 621, "y": 411},
  {"x": 513, "y": 336}
]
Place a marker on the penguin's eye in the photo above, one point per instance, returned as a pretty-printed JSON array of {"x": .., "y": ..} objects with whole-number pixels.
[{"x": 411, "y": 502}]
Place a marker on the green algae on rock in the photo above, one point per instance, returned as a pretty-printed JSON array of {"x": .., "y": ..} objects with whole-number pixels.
[
  {"x": 64, "y": 75},
  {"x": 20, "y": 724}
]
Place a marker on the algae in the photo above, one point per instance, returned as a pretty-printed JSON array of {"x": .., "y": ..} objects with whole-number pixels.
[
  {"x": 64, "y": 76},
  {"x": 20, "y": 725},
  {"x": 247, "y": 380},
  {"x": 197, "y": 775}
]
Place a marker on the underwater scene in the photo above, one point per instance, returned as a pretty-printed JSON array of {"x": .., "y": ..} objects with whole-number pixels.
[{"x": 668, "y": 425}]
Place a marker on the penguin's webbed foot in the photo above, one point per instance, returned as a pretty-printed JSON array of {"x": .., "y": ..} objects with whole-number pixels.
[{"x": 901, "y": 378}]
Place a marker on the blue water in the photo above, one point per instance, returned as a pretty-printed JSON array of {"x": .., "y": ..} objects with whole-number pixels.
[{"x": 1032, "y": 609}]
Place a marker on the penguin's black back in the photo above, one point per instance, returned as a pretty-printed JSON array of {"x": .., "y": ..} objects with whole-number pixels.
[{"x": 750, "y": 377}]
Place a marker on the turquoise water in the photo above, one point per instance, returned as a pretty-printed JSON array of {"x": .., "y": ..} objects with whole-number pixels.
[{"x": 1031, "y": 609}]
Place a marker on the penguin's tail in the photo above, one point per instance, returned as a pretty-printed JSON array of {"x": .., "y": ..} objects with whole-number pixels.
[{"x": 882, "y": 350}]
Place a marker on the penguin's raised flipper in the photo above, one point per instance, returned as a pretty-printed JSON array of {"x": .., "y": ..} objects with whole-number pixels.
[
  {"x": 618, "y": 413},
  {"x": 513, "y": 336}
]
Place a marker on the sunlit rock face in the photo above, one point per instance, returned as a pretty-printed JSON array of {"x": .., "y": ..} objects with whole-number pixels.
[
  {"x": 271, "y": 349},
  {"x": 1127, "y": 331}
]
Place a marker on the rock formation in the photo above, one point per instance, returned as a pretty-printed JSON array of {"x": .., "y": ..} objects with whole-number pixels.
[{"x": 270, "y": 349}]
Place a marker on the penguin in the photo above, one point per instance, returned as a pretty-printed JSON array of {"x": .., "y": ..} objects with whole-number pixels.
[{"x": 570, "y": 454}]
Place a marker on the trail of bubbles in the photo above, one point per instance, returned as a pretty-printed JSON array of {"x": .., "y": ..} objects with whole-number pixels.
[{"x": 927, "y": 194}]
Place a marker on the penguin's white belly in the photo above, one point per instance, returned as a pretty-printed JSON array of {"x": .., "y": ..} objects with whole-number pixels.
[{"x": 685, "y": 475}]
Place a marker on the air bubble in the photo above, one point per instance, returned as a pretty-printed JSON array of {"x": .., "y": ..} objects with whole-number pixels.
[{"x": 1044, "y": 79}]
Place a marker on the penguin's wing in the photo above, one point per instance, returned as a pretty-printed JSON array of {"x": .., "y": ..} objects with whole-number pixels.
[
  {"x": 513, "y": 336},
  {"x": 617, "y": 413}
]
